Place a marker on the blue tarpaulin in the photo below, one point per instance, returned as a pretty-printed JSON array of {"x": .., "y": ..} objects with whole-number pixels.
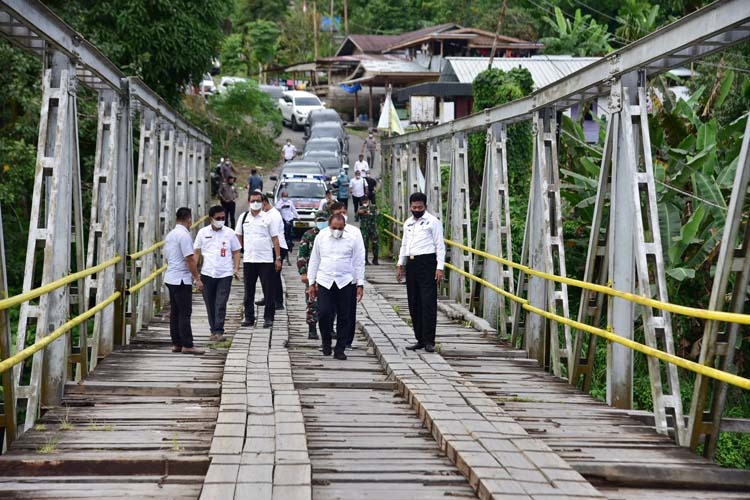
[{"x": 351, "y": 88}]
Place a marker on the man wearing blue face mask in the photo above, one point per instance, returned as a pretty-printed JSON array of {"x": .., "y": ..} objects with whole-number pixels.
[
  {"x": 303, "y": 259},
  {"x": 337, "y": 281}
]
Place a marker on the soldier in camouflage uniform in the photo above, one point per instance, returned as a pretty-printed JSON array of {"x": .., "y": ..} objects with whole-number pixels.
[
  {"x": 303, "y": 257},
  {"x": 368, "y": 224}
]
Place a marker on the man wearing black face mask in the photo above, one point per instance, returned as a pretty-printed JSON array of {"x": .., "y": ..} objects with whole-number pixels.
[{"x": 422, "y": 258}]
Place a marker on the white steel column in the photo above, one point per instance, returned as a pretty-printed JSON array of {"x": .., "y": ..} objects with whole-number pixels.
[
  {"x": 433, "y": 183},
  {"x": 458, "y": 217},
  {"x": 49, "y": 231}
]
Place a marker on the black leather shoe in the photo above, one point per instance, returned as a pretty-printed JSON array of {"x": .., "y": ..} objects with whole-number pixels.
[
  {"x": 248, "y": 322},
  {"x": 339, "y": 355},
  {"x": 416, "y": 346},
  {"x": 367, "y": 263},
  {"x": 268, "y": 324},
  {"x": 375, "y": 261},
  {"x": 327, "y": 351},
  {"x": 279, "y": 307},
  {"x": 260, "y": 302},
  {"x": 312, "y": 334},
  {"x": 429, "y": 348}
]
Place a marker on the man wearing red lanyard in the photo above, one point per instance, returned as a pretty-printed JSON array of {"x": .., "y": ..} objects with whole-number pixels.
[{"x": 220, "y": 249}]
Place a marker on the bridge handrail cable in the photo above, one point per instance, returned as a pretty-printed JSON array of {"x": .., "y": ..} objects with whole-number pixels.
[{"x": 608, "y": 334}]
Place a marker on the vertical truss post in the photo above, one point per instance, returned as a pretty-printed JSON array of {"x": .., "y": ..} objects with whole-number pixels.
[
  {"x": 192, "y": 172},
  {"x": 493, "y": 228},
  {"x": 49, "y": 231},
  {"x": 8, "y": 416},
  {"x": 144, "y": 226},
  {"x": 200, "y": 193},
  {"x": 103, "y": 223},
  {"x": 123, "y": 191},
  {"x": 592, "y": 304},
  {"x": 552, "y": 341},
  {"x": 458, "y": 216},
  {"x": 413, "y": 172},
  {"x": 721, "y": 340},
  {"x": 166, "y": 197},
  {"x": 181, "y": 172},
  {"x": 433, "y": 185},
  {"x": 397, "y": 192}
]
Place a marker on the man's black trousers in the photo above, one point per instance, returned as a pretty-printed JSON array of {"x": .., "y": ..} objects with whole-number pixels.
[
  {"x": 216, "y": 295},
  {"x": 266, "y": 272},
  {"x": 341, "y": 304},
  {"x": 421, "y": 290},
  {"x": 180, "y": 310}
]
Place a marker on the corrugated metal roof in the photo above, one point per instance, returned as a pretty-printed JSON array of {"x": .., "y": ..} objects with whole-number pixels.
[
  {"x": 544, "y": 69},
  {"x": 377, "y": 67}
]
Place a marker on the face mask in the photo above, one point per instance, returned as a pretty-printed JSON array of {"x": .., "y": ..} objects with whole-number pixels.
[
  {"x": 337, "y": 233},
  {"x": 321, "y": 225},
  {"x": 417, "y": 213},
  {"x": 218, "y": 224},
  {"x": 256, "y": 205}
]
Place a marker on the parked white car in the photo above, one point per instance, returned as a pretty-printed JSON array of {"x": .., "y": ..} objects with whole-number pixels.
[
  {"x": 296, "y": 105},
  {"x": 208, "y": 87},
  {"x": 228, "y": 81}
]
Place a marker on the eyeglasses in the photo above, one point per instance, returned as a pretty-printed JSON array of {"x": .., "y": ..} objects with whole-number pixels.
[{"x": 220, "y": 218}]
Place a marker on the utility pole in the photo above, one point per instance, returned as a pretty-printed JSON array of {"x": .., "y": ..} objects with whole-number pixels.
[
  {"x": 346, "y": 17},
  {"x": 333, "y": 24},
  {"x": 315, "y": 28},
  {"x": 497, "y": 33}
]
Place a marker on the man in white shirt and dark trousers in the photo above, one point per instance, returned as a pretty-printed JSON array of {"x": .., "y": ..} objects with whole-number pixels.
[
  {"x": 220, "y": 249},
  {"x": 422, "y": 257},
  {"x": 288, "y": 211},
  {"x": 337, "y": 281},
  {"x": 259, "y": 237},
  {"x": 358, "y": 188},
  {"x": 182, "y": 269},
  {"x": 275, "y": 218},
  {"x": 362, "y": 165}
]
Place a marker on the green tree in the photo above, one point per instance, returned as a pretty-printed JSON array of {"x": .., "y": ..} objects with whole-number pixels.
[
  {"x": 263, "y": 38},
  {"x": 168, "y": 43},
  {"x": 637, "y": 18},
  {"x": 233, "y": 57},
  {"x": 247, "y": 11},
  {"x": 581, "y": 36}
]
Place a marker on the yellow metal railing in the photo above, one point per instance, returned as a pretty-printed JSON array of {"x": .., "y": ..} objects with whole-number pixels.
[
  {"x": 50, "y": 287},
  {"x": 57, "y": 333},
  {"x": 66, "y": 327},
  {"x": 608, "y": 334}
]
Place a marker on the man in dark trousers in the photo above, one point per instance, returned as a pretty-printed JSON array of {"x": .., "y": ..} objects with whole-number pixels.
[
  {"x": 258, "y": 234},
  {"x": 182, "y": 270},
  {"x": 422, "y": 257},
  {"x": 337, "y": 281}
]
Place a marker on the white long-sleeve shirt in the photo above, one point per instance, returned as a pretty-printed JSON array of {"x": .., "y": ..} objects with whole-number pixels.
[
  {"x": 287, "y": 209},
  {"x": 422, "y": 236},
  {"x": 344, "y": 260}
]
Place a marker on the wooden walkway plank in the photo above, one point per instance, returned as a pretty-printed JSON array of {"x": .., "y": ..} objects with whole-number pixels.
[
  {"x": 139, "y": 426},
  {"x": 611, "y": 447}
]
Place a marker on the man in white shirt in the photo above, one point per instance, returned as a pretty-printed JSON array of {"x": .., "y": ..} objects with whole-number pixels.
[
  {"x": 288, "y": 212},
  {"x": 337, "y": 281},
  {"x": 362, "y": 165},
  {"x": 182, "y": 269},
  {"x": 422, "y": 256},
  {"x": 259, "y": 236},
  {"x": 326, "y": 202},
  {"x": 277, "y": 220},
  {"x": 358, "y": 188},
  {"x": 220, "y": 249},
  {"x": 288, "y": 151}
]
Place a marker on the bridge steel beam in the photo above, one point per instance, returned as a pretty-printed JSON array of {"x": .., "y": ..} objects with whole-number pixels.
[
  {"x": 103, "y": 221},
  {"x": 433, "y": 184},
  {"x": 415, "y": 180},
  {"x": 167, "y": 206},
  {"x": 493, "y": 230},
  {"x": 721, "y": 340},
  {"x": 8, "y": 417},
  {"x": 547, "y": 341},
  {"x": 458, "y": 216},
  {"x": 50, "y": 233},
  {"x": 398, "y": 204}
]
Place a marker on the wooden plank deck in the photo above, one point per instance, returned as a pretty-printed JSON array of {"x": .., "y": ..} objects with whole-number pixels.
[
  {"x": 364, "y": 439},
  {"x": 621, "y": 455},
  {"x": 139, "y": 426}
]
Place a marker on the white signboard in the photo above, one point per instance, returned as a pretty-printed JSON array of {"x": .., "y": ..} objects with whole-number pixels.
[{"x": 422, "y": 109}]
